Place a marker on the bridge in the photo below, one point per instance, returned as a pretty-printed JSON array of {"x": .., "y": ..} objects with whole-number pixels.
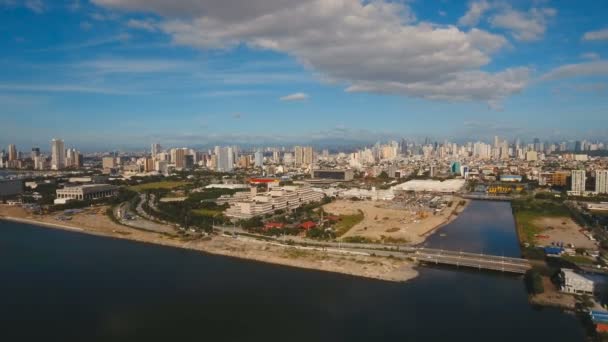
[
  {"x": 471, "y": 260},
  {"x": 420, "y": 254},
  {"x": 485, "y": 197}
]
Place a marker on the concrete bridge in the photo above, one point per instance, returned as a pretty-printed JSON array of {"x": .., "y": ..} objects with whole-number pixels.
[{"x": 472, "y": 260}]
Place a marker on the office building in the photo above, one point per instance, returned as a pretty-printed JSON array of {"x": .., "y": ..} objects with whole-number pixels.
[
  {"x": 35, "y": 153},
  {"x": 156, "y": 149},
  {"x": 245, "y": 205},
  {"x": 108, "y": 162},
  {"x": 57, "y": 154},
  {"x": 579, "y": 178},
  {"x": 178, "y": 157},
  {"x": 331, "y": 174},
  {"x": 12, "y": 152},
  {"x": 224, "y": 159},
  {"x": 258, "y": 159},
  {"x": 601, "y": 181},
  {"x": 557, "y": 178}
]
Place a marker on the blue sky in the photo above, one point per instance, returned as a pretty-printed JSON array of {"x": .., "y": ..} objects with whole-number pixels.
[{"x": 125, "y": 73}]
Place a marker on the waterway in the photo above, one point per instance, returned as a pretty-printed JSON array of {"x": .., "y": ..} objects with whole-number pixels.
[{"x": 58, "y": 285}]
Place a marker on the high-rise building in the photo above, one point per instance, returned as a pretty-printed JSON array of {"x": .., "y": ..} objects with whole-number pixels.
[
  {"x": 579, "y": 178},
  {"x": 601, "y": 181},
  {"x": 258, "y": 159},
  {"x": 224, "y": 159},
  {"x": 303, "y": 155},
  {"x": 12, "y": 152},
  {"x": 108, "y": 162},
  {"x": 35, "y": 153},
  {"x": 178, "y": 157},
  {"x": 156, "y": 148},
  {"x": 57, "y": 154}
]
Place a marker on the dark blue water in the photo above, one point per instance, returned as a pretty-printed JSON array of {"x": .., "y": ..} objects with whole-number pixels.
[{"x": 63, "y": 286}]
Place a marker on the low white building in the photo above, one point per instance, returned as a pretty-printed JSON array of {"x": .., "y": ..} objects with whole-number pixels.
[
  {"x": 577, "y": 283},
  {"x": 245, "y": 205},
  {"x": 85, "y": 192},
  {"x": 418, "y": 185}
]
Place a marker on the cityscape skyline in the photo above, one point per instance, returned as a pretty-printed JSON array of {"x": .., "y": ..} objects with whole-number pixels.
[{"x": 124, "y": 73}]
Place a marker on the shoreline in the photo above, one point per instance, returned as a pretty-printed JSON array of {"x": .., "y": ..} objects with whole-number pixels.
[
  {"x": 370, "y": 267},
  {"x": 453, "y": 216}
]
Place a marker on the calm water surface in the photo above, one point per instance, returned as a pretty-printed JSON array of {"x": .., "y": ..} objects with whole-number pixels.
[{"x": 62, "y": 286}]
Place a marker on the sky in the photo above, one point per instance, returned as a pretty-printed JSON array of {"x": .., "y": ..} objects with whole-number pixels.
[{"x": 127, "y": 73}]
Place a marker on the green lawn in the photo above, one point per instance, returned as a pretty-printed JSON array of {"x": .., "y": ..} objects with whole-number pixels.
[
  {"x": 347, "y": 222},
  {"x": 169, "y": 185},
  {"x": 207, "y": 212}
]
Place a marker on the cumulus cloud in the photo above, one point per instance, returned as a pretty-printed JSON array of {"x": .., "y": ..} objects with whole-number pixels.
[
  {"x": 375, "y": 46},
  {"x": 596, "y": 35},
  {"x": 594, "y": 68},
  {"x": 474, "y": 13},
  {"x": 524, "y": 26},
  {"x": 295, "y": 97}
]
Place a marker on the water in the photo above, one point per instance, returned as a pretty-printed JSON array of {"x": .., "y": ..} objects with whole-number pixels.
[{"x": 65, "y": 286}]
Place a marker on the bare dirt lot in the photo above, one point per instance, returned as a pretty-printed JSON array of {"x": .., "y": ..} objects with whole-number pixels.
[
  {"x": 562, "y": 229},
  {"x": 399, "y": 224}
]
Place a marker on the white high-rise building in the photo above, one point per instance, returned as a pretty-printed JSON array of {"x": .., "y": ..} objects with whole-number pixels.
[
  {"x": 258, "y": 159},
  {"x": 601, "y": 181},
  {"x": 156, "y": 148},
  {"x": 57, "y": 154},
  {"x": 579, "y": 178},
  {"x": 225, "y": 159}
]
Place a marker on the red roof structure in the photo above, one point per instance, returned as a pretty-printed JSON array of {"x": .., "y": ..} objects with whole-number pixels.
[
  {"x": 307, "y": 225},
  {"x": 274, "y": 225}
]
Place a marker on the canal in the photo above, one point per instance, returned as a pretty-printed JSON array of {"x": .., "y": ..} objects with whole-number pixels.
[{"x": 58, "y": 285}]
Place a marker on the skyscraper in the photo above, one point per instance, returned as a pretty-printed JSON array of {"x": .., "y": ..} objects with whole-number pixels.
[
  {"x": 601, "y": 181},
  {"x": 579, "y": 178},
  {"x": 156, "y": 148},
  {"x": 259, "y": 159},
  {"x": 57, "y": 154},
  {"x": 225, "y": 159},
  {"x": 35, "y": 153},
  {"x": 12, "y": 152}
]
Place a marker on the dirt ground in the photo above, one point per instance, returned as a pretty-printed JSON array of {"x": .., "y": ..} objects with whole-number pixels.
[
  {"x": 401, "y": 224},
  {"x": 94, "y": 221},
  {"x": 562, "y": 229}
]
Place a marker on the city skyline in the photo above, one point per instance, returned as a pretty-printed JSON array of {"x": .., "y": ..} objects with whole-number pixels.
[{"x": 126, "y": 73}]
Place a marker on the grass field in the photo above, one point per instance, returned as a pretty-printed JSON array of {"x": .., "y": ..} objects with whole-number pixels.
[
  {"x": 168, "y": 185},
  {"x": 207, "y": 212},
  {"x": 347, "y": 222},
  {"x": 527, "y": 211}
]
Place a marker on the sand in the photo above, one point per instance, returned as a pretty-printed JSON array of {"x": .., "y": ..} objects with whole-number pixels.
[
  {"x": 562, "y": 229},
  {"x": 399, "y": 224},
  {"x": 94, "y": 221}
]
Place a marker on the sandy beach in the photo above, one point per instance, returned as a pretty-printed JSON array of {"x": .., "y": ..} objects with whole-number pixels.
[{"x": 94, "y": 221}]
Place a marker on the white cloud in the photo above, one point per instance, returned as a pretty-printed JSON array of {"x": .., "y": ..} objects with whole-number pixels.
[
  {"x": 593, "y": 68},
  {"x": 374, "y": 45},
  {"x": 590, "y": 55},
  {"x": 146, "y": 25},
  {"x": 474, "y": 13},
  {"x": 122, "y": 65},
  {"x": 524, "y": 26},
  {"x": 596, "y": 35},
  {"x": 295, "y": 97},
  {"x": 35, "y": 5}
]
